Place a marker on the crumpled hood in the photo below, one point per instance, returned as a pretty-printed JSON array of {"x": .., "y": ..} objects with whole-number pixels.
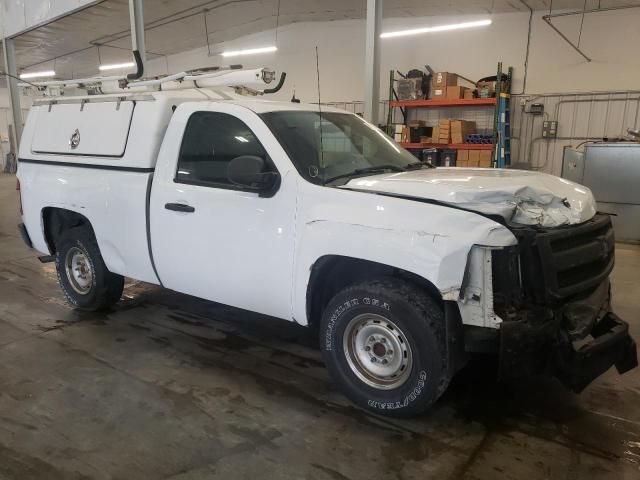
[{"x": 519, "y": 196}]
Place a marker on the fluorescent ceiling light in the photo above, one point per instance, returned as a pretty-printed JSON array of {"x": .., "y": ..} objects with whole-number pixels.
[
  {"x": 115, "y": 66},
  {"x": 249, "y": 51},
  {"x": 48, "y": 73},
  {"x": 439, "y": 28}
]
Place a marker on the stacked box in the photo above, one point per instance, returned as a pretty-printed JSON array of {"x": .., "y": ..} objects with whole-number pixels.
[
  {"x": 444, "y": 132},
  {"x": 463, "y": 158},
  {"x": 438, "y": 92},
  {"x": 460, "y": 129},
  {"x": 474, "y": 158},
  {"x": 457, "y": 92},
  {"x": 397, "y": 129},
  {"x": 468, "y": 94},
  {"x": 440, "y": 82},
  {"x": 486, "y": 159},
  {"x": 405, "y": 136},
  {"x": 444, "y": 79}
]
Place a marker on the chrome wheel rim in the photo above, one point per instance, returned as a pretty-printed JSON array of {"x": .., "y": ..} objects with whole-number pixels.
[
  {"x": 78, "y": 270},
  {"x": 377, "y": 351}
]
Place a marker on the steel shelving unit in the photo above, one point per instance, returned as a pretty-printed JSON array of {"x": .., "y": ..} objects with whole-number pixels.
[{"x": 501, "y": 118}]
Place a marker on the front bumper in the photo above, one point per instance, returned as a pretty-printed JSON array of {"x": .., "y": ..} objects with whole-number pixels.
[{"x": 576, "y": 344}]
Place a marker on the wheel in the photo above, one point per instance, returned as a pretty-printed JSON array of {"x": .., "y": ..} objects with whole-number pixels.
[
  {"x": 383, "y": 343},
  {"x": 82, "y": 274}
]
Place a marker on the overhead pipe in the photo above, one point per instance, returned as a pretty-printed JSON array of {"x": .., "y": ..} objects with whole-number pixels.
[
  {"x": 547, "y": 19},
  {"x": 526, "y": 56},
  {"x": 593, "y": 10},
  {"x": 137, "y": 37}
]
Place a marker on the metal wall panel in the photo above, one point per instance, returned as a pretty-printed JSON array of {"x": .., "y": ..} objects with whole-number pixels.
[
  {"x": 612, "y": 171},
  {"x": 581, "y": 118}
]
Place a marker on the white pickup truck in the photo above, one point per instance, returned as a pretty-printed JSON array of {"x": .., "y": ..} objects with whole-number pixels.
[{"x": 319, "y": 218}]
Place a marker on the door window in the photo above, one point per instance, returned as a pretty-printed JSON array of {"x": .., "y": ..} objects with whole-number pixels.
[{"x": 211, "y": 140}]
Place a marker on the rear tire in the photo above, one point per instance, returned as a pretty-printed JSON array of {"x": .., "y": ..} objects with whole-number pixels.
[
  {"x": 383, "y": 343},
  {"x": 82, "y": 274}
]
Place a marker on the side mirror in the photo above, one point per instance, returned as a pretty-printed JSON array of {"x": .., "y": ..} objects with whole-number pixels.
[{"x": 249, "y": 171}]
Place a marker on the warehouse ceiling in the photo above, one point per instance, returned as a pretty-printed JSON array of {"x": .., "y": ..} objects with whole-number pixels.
[{"x": 75, "y": 45}]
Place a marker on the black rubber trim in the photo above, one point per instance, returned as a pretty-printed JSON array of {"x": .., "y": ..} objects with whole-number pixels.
[
  {"x": 277, "y": 88},
  {"x": 88, "y": 165},
  {"x": 148, "y": 219},
  {"x": 25, "y": 235},
  {"x": 139, "y": 66}
]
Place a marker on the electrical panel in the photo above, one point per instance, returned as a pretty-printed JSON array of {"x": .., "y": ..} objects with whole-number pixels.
[
  {"x": 549, "y": 129},
  {"x": 536, "y": 109}
]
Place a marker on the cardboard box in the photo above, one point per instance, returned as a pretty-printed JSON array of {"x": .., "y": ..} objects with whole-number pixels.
[
  {"x": 444, "y": 79},
  {"x": 463, "y": 158},
  {"x": 415, "y": 123},
  {"x": 460, "y": 129},
  {"x": 474, "y": 158},
  {"x": 486, "y": 159},
  {"x": 426, "y": 139},
  {"x": 415, "y": 133},
  {"x": 468, "y": 94},
  {"x": 455, "y": 93},
  {"x": 444, "y": 132},
  {"x": 405, "y": 135},
  {"x": 438, "y": 92}
]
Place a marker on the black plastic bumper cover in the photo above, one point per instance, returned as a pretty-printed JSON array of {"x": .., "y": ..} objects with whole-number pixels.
[
  {"x": 527, "y": 349},
  {"x": 611, "y": 345},
  {"x": 25, "y": 235}
]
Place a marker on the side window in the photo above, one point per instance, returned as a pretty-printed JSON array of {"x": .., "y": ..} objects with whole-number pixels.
[{"x": 211, "y": 140}]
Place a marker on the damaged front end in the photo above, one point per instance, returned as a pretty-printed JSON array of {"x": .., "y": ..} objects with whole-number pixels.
[{"x": 552, "y": 293}]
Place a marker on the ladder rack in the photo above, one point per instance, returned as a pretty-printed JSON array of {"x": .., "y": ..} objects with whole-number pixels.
[{"x": 244, "y": 81}]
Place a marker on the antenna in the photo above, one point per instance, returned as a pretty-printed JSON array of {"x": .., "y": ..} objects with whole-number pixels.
[{"x": 319, "y": 111}]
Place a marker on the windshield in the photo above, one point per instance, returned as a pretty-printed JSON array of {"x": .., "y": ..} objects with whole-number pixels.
[{"x": 343, "y": 146}]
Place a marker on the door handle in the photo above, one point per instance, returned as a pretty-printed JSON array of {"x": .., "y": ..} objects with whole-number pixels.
[{"x": 179, "y": 207}]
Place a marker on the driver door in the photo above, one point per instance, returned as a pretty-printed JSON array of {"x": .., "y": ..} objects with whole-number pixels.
[{"x": 210, "y": 237}]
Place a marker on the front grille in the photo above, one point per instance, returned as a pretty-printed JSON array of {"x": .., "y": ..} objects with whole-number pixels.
[{"x": 576, "y": 259}]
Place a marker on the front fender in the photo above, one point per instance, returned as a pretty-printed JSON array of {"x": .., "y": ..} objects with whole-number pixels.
[{"x": 436, "y": 251}]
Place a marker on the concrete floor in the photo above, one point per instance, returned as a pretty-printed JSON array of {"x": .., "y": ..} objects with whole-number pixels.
[{"x": 169, "y": 386}]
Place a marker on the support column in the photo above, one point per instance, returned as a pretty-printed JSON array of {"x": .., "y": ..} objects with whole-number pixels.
[
  {"x": 372, "y": 61},
  {"x": 12, "y": 84},
  {"x": 136, "y": 17}
]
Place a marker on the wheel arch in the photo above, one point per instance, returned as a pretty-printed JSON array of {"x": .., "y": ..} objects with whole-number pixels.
[
  {"x": 332, "y": 273},
  {"x": 56, "y": 220}
]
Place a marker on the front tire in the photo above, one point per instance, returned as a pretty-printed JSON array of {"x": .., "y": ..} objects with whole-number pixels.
[
  {"x": 383, "y": 343},
  {"x": 84, "y": 278}
]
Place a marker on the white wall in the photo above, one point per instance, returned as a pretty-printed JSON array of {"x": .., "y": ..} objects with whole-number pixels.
[{"x": 609, "y": 38}]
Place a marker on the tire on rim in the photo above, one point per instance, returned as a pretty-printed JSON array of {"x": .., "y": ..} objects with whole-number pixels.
[
  {"x": 383, "y": 343},
  {"x": 82, "y": 274}
]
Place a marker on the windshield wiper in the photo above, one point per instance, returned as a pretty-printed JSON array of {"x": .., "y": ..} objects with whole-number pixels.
[
  {"x": 418, "y": 166},
  {"x": 361, "y": 171}
]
